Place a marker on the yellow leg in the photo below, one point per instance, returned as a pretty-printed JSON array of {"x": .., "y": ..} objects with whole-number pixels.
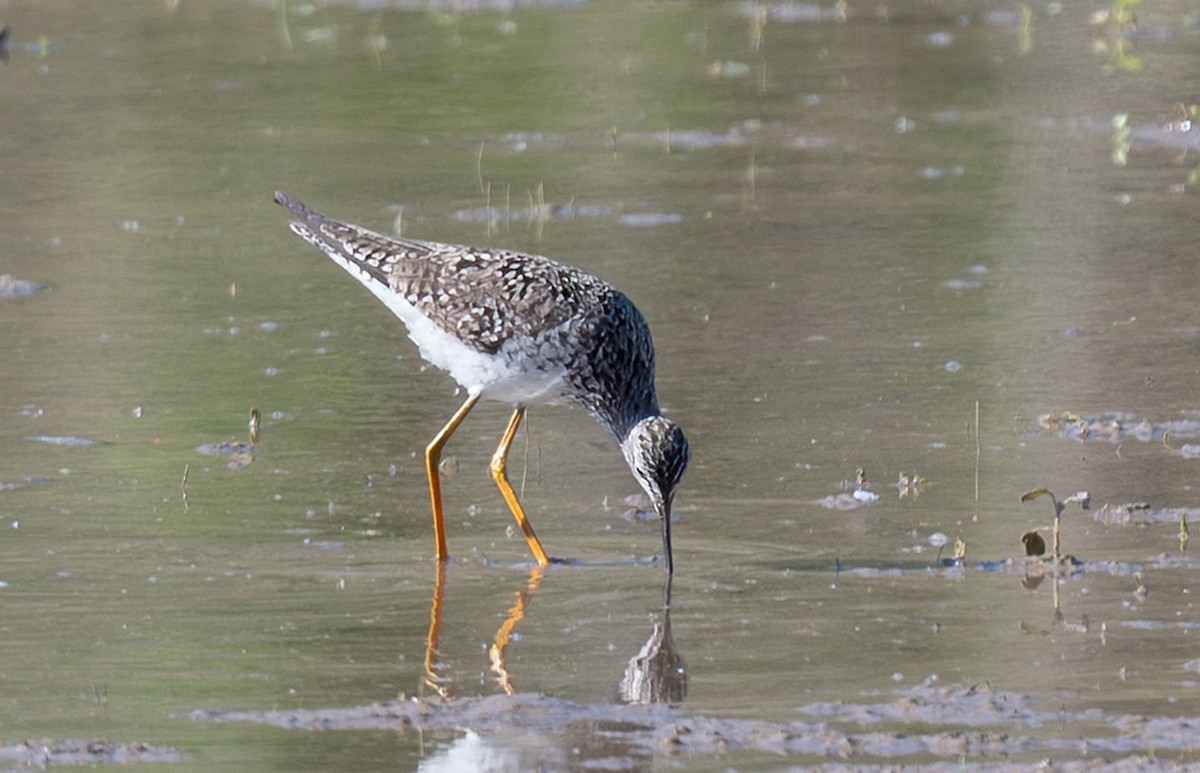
[
  {"x": 499, "y": 459},
  {"x": 433, "y": 456}
]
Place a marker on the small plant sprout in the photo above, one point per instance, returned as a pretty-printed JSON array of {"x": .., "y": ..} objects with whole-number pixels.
[
  {"x": 1187, "y": 450},
  {"x": 1120, "y": 126},
  {"x": 1033, "y": 542},
  {"x": 1117, "y": 24},
  {"x": 1140, "y": 592},
  {"x": 1083, "y": 499},
  {"x": 860, "y": 489}
]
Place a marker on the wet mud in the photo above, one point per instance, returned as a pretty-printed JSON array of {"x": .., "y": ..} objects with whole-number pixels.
[
  {"x": 58, "y": 752},
  {"x": 919, "y": 725},
  {"x": 1117, "y": 427}
]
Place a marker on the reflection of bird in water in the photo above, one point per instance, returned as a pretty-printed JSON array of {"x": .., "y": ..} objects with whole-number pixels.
[
  {"x": 496, "y": 652},
  {"x": 517, "y": 328},
  {"x": 657, "y": 674},
  {"x": 503, "y": 636}
]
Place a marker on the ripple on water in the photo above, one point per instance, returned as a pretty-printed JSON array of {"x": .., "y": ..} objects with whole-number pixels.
[
  {"x": 61, "y": 440},
  {"x": 11, "y": 287}
]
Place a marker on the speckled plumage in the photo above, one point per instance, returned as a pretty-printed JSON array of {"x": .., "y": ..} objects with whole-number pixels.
[{"x": 522, "y": 329}]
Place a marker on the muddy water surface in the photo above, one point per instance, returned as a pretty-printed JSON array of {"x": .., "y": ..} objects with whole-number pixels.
[{"x": 948, "y": 246}]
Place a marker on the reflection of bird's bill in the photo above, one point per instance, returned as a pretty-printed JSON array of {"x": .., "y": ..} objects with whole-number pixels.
[{"x": 657, "y": 673}]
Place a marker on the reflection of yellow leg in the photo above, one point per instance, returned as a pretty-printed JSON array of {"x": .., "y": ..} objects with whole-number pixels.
[
  {"x": 498, "y": 461},
  {"x": 433, "y": 456},
  {"x": 432, "y": 677},
  {"x": 504, "y": 634}
]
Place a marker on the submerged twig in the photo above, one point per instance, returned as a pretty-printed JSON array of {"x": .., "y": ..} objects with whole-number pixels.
[
  {"x": 525, "y": 459},
  {"x": 376, "y": 40},
  {"x": 254, "y": 425},
  {"x": 752, "y": 180},
  {"x": 491, "y": 226},
  {"x": 285, "y": 36},
  {"x": 977, "y": 442},
  {"x": 183, "y": 486},
  {"x": 479, "y": 168}
]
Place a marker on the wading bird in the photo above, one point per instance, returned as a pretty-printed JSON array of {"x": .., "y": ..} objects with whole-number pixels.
[{"x": 519, "y": 329}]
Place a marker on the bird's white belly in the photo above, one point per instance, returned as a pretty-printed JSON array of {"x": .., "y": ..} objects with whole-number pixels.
[
  {"x": 504, "y": 376},
  {"x": 499, "y": 376}
]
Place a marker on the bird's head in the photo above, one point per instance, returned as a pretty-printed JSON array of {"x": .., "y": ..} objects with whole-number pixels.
[{"x": 657, "y": 453}]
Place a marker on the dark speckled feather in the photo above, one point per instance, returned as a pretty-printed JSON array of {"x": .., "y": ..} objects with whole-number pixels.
[{"x": 498, "y": 300}]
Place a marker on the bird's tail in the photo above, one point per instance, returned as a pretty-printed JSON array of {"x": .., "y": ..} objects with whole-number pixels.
[
  {"x": 353, "y": 247},
  {"x": 296, "y": 207}
]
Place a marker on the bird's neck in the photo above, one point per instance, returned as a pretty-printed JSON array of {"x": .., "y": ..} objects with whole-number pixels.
[{"x": 622, "y": 426}]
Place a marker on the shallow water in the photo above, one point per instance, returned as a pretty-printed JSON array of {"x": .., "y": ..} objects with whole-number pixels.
[{"x": 850, "y": 241}]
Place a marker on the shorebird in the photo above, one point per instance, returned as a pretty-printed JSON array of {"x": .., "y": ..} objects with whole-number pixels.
[{"x": 520, "y": 329}]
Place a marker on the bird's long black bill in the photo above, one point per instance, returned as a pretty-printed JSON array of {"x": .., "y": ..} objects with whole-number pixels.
[{"x": 665, "y": 515}]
